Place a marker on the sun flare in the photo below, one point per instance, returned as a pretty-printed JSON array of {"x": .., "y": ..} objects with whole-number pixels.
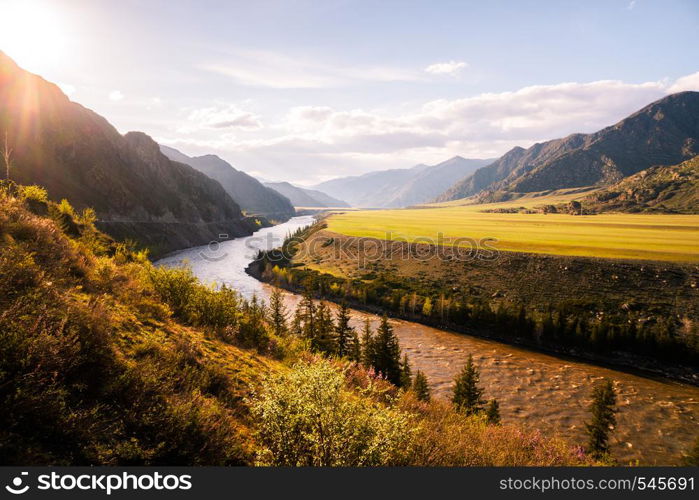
[{"x": 32, "y": 33}]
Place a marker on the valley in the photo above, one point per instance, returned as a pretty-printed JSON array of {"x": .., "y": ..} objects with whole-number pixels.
[{"x": 657, "y": 416}]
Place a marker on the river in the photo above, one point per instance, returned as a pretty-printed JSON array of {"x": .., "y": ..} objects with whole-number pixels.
[{"x": 658, "y": 419}]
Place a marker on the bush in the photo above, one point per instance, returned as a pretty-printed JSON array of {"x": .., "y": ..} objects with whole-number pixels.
[
  {"x": 309, "y": 417},
  {"x": 35, "y": 193},
  {"x": 447, "y": 438}
]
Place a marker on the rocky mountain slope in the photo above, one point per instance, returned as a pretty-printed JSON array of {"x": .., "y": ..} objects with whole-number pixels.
[
  {"x": 401, "y": 187},
  {"x": 248, "y": 192},
  {"x": 671, "y": 189},
  {"x": 136, "y": 191},
  {"x": 665, "y": 132},
  {"x": 302, "y": 197}
]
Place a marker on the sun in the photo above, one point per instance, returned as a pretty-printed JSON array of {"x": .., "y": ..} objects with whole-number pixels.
[{"x": 32, "y": 33}]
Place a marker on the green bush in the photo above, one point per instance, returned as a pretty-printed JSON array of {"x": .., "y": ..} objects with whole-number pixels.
[{"x": 309, "y": 417}]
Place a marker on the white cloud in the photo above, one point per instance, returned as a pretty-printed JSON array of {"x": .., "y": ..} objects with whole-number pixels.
[
  {"x": 689, "y": 82},
  {"x": 446, "y": 68},
  {"x": 631, "y": 5},
  {"x": 274, "y": 70},
  {"x": 115, "y": 95},
  {"x": 311, "y": 142},
  {"x": 224, "y": 117}
]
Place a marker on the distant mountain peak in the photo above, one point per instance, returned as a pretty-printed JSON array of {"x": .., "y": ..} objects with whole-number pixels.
[
  {"x": 251, "y": 194},
  {"x": 664, "y": 132}
]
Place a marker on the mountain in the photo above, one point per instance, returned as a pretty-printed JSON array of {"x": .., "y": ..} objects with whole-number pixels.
[
  {"x": 668, "y": 189},
  {"x": 136, "y": 191},
  {"x": 252, "y": 196},
  {"x": 302, "y": 197},
  {"x": 401, "y": 187},
  {"x": 665, "y": 132}
]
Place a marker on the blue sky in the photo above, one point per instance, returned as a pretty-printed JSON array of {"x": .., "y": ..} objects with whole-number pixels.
[{"x": 309, "y": 90}]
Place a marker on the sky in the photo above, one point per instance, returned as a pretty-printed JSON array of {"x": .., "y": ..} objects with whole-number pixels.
[{"x": 305, "y": 91}]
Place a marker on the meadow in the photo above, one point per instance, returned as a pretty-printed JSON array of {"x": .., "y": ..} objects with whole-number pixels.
[{"x": 616, "y": 235}]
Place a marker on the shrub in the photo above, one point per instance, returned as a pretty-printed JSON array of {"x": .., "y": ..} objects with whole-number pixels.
[
  {"x": 309, "y": 417},
  {"x": 35, "y": 193}
]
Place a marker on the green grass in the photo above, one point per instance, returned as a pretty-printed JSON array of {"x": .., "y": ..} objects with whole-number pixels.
[{"x": 628, "y": 236}]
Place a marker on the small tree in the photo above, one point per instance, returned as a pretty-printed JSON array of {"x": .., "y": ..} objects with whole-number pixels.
[
  {"x": 406, "y": 375},
  {"x": 492, "y": 412},
  {"x": 603, "y": 418},
  {"x": 343, "y": 331},
  {"x": 386, "y": 353},
  {"x": 427, "y": 307},
  {"x": 367, "y": 344},
  {"x": 7, "y": 158},
  {"x": 323, "y": 337},
  {"x": 278, "y": 313},
  {"x": 355, "y": 348},
  {"x": 468, "y": 396},
  {"x": 421, "y": 387}
]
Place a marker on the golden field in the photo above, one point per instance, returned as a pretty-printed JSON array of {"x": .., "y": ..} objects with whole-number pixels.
[{"x": 614, "y": 235}]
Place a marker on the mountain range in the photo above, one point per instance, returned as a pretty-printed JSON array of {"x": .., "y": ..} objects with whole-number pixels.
[
  {"x": 136, "y": 191},
  {"x": 253, "y": 197},
  {"x": 302, "y": 197},
  {"x": 400, "y": 187},
  {"x": 665, "y": 132}
]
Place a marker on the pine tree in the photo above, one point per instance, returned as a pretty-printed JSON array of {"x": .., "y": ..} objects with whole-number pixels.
[
  {"x": 343, "y": 331},
  {"x": 406, "y": 373},
  {"x": 355, "y": 348},
  {"x": 386, "y": 353},
  {"x": 421, "y": 387},
  {"x": 367, "y": 345},
  {"x": 323, "y": 339},
  {"x": 548, "y": 328},
  {"x": 278, "y": 313},
  {"x": 492, "y": 412},
  {"x": 297, "y": 322},
  {"x": 307, "y": 315},
  {"x": 468, "y": 396},
  {"x": 603, "y": 418}
]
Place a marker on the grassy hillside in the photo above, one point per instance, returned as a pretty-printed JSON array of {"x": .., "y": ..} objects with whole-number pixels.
[
  {"x": 630, "y": 236},
  {"x": 105, "y": 359}
]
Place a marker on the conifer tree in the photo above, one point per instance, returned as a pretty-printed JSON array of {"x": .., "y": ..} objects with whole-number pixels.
[
  {"x": 278, "y": 313},
  {"x": 492, "y": 412},
  {"x": 603, "y": 410},
  {"x": 307, "y": 314},
  {"x": 406, "y": 375},
  {"x": 421, "y": 387},
  {"x": 367, "y": 345},
  {"x": 323, "y": 338},
  {"x": 343, "y": 331},
  {"x": 386, "y": 353},
  {"x": 468, "y": 396},
  {"x": 297, "y": 322},
  {"x": 355, "y": 348}
]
